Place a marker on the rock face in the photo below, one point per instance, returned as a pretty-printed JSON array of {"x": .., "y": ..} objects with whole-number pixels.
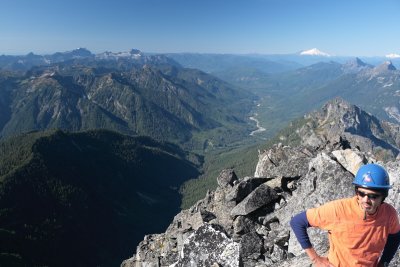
[{"x": 245, "y": 221}]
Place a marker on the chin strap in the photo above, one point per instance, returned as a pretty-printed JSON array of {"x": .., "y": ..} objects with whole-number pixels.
[{"x": 365, "y": 215}]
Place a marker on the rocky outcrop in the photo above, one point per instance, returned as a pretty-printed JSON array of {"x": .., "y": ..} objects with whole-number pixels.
[
  {"x": 339, "y": 124},
  {"x": 245, "y": 221}
]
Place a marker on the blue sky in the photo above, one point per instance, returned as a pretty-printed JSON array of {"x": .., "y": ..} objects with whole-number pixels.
[{"x": 337, "y": 27}]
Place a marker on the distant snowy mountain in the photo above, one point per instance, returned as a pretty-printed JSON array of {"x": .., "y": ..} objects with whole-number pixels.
[
  {"x": 314, "y": 52},
  {"x": 133, "y": 54},
  {"x": 393, "y": 55}
]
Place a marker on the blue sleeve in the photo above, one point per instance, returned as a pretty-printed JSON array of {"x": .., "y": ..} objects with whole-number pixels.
[
  {"x": 299, "y": 224},
  {"x": 392, "y": 244}
]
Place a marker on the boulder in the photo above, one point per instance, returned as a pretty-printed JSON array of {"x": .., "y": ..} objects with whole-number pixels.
[
  {"x": 262, "y": 196},
  {"x": 207, "y": 246},
  {"x": 243, "y": 188},
  {"x": 350, "y": 160},
  {"x": 283, "y": 161},
  {"x": 226, "y": 178}
]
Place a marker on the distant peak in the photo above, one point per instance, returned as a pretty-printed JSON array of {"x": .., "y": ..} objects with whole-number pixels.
[
  {"x": 30, "y": 54},
  {"x": 359, "y": 62},
  {"x": 133, "y": 54},
  {"x": 79, "y": 52},
  {"x": 81, "y": 49},
  {"x": 314, "y": 52},
  {"x": 356, "y": 65},
  {"x": 387, "y": 65},
  {"x": 393, "y": 55}
]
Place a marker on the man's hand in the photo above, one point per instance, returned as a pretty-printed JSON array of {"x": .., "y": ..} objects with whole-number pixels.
[
  {"x": 322, "y": 262},
  {"x": 316, "y": 259}
]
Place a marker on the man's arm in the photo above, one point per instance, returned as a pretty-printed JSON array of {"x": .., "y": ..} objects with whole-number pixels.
[
  {"x": 392, "y": 244},
  {"x": 299, "y": 224}
]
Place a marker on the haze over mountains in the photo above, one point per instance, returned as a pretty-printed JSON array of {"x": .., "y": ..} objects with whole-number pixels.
[
  {"x": 205, "y": 62},
  {"x": 270, "y": 63}
]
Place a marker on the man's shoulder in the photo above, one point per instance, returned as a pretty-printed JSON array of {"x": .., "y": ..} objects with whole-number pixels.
[
  {"x": 343, "y": 206},
  {"x": 388, "y": 208},
  {"x": 343, "y": 201},
  {"x": 391, "y": 217},
  {"x": 340, "y": 203}
]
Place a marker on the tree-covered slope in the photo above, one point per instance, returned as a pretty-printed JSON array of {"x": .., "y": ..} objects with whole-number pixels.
[
  {"x": 154, "y": 97},
  {"x": 85, "y": 199}
]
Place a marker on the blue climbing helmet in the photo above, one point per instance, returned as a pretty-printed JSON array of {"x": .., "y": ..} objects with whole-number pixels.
[{"x": 372, "y": 176}]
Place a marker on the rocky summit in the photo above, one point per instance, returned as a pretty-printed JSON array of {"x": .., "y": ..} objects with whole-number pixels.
[{"x": 245, "y": 221}]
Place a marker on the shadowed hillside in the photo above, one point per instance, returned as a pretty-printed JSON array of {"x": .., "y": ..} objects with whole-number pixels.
[{"x": 85, "y": 199}]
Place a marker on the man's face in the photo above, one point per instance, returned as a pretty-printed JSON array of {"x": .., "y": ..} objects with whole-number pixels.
[{"x": 369, "y": 200}]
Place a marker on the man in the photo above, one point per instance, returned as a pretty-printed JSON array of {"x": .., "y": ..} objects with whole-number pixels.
[{"x": 362, "y": 230}]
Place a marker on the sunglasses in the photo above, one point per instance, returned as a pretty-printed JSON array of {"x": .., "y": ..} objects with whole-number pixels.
[{"x": 370, "y": 196}]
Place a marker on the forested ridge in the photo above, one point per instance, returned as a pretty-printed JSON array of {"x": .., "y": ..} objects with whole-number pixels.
[{"x": 85, "y": 199}]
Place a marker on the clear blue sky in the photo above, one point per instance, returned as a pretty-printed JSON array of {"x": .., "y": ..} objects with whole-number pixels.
[{"x": 337, "y": 27}]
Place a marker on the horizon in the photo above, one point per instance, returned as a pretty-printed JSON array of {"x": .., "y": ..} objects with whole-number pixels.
[
  {"x": 297, "y": 53},
  {"x": 266, "y": 27}
]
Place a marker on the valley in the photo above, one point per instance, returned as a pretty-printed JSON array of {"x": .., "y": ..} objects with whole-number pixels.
[{"x": 286, "y": 96}]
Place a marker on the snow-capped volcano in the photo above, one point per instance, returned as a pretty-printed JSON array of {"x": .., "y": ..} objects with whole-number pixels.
[
  {"x": 314, "y": 52},
  {"x": 393, "y": 55}
]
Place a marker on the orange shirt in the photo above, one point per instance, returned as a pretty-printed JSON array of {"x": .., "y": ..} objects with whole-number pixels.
[{"x": 354, "y": 241}]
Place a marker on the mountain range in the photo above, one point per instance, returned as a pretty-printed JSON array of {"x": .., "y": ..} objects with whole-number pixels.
[
  {"x": 167, "y": 98},
  {"x": 268, "y": 63},
  {"x": 287, "y": 95},
  {"x": 130, "y": 93},
  {"x": 209, "y": 63}
]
